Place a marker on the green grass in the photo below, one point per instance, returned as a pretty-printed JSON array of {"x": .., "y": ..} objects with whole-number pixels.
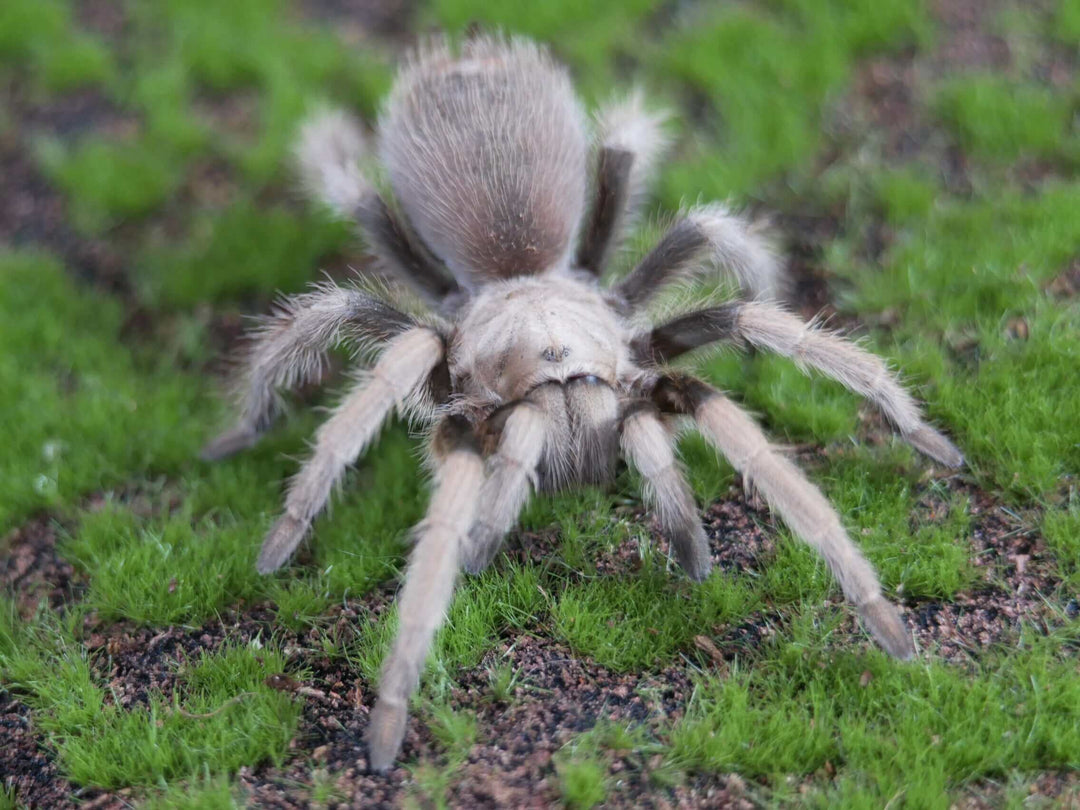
[
  {"x": 264, "y": 248},
  {"x": 1006, "y": 120},
  {"x": 103, "y": 413},
  {"x": 801, "y": 705},
  {"x": 81, "y": 411},
  {"x": 39, "y": 39},
  {"x": 98, "y": 177},
  {"x": 221, "y": 717},
  {"x": 769, "y": 72}
]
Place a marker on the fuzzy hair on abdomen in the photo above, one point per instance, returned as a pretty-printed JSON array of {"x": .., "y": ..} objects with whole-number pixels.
[{"x": 486, "y": 150}]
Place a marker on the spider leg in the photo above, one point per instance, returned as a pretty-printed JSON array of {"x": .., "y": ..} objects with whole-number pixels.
[
  {"x": 649, "y": 446},
  {"x": 593, "y": 409},
  {"x": 403, "y": 368},
  {"x": 429, "y": 584},
  {"x": 801, "y": 505},
  {"x": 329, "y": 150},
  {"x": 290, "y": 349},
  {"x": 611, "y": 187},
  {"x": 770, "y": 327},
  {"x": 631, "y": 143},
  {"x": 511, "y": 473},
  {"x": 710, "y": 234}
]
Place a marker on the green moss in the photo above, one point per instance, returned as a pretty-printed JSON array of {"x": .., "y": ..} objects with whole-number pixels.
[
  {"x": 590, "y": 37},
  {"x": 107, "y": 182},
  {"x": 1061, "y": 528},
  {"x": 905, "y": 194},
  {"x": 582, "y": 780},
  {"x": 83, "y": 412},
  {"x": 768, "y": 76},
  {"x": 1066, "y": 23},
  {"x": 221, "y": 718},
  {"x": 206, "y": 793},
  {"x": 1004, "y": 120},
  {"x": 884, "y": 721},
  {"x": 190, "y": 47},
  {"x": 40, "y": 38},
  {"x": 645, "y": 619},
  {"x": 165, "y": 572},
  {"x": 242, "y": 250}
]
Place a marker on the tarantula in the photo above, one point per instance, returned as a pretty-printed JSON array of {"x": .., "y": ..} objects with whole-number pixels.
[{"x": 531, "y": 371}]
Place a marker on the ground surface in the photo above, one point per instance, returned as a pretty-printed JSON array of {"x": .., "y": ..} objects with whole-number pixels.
[{"x": 918, "y": 160}]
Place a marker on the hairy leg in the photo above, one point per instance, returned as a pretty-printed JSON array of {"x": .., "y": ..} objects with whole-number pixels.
[
  {"x": 706, "y": 235},
  {"x": 593, "y": 408},
  {"x": 801, "y": 505},
  {"x": 511, "y": 472},
  {"x": 329, "y": 150},
  {"x": 649, "y": 446},
  {"x": 429, "y": 585},
  {"x": 632, "y": 141},
  {"x": 401, "y": 372},
  {"x": 766, "y": 326},
  {"x": 290, "y": 348}
]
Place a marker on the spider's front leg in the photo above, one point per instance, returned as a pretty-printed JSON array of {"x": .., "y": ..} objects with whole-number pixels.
[
  {"x": 404, "y": 367},
  {"x": 523, "y": 429},
  {"x": 649, "y": 446},
  {"x": 788, "y": 492},
  {"x": 769, "y": 327},
  {"x": 429, "y": 583}
]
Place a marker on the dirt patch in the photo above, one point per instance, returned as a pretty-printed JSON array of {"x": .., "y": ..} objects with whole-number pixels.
[
  {"x": 966, "y": 41},
  {"x": 29, "y": 771},
  {"x": 359, "y": 20},
  {"x": 106, "y": 19},
  {"x": 1018, "y": 577},
  {"x": 31, "y": 570},
  {"x": 1060, "y": 790},
  {"x": 32, "y": 211},
  {"x": 1067, "y": 285}
]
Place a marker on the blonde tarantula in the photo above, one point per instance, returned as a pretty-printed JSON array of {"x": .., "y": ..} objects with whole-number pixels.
[{"x": 531, "y": 371}]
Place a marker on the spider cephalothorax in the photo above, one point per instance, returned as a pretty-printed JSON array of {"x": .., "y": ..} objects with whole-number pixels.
[{"x": 530, "y": 371}]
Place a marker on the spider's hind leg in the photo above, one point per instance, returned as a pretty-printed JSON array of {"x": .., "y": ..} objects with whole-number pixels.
[
  {"x": 649, "y": 446},
  {"x": 632, "y": 141},
  {"x": 329, "y": 150}
]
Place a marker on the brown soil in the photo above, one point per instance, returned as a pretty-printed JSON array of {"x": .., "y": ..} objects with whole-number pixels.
[{"x": 31, "y": 569}]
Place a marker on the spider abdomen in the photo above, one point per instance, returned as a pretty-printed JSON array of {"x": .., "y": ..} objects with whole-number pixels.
[{"x": 486, "y": 151}]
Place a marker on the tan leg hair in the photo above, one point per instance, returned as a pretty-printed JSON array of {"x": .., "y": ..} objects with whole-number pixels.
[
  {"x": 290, "y": 348},
  {"x": 555, "y": 461},
  {"x": 769, "y": 327},
  {"x": 594, "y": 411},
  {"x": 402, "y": 369},
  {"x": 806, "y": 512},
  {"x": 425, "y": 598},
  {"x": 511, "y": 471},
  {"x": 649, "y": 446}
]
